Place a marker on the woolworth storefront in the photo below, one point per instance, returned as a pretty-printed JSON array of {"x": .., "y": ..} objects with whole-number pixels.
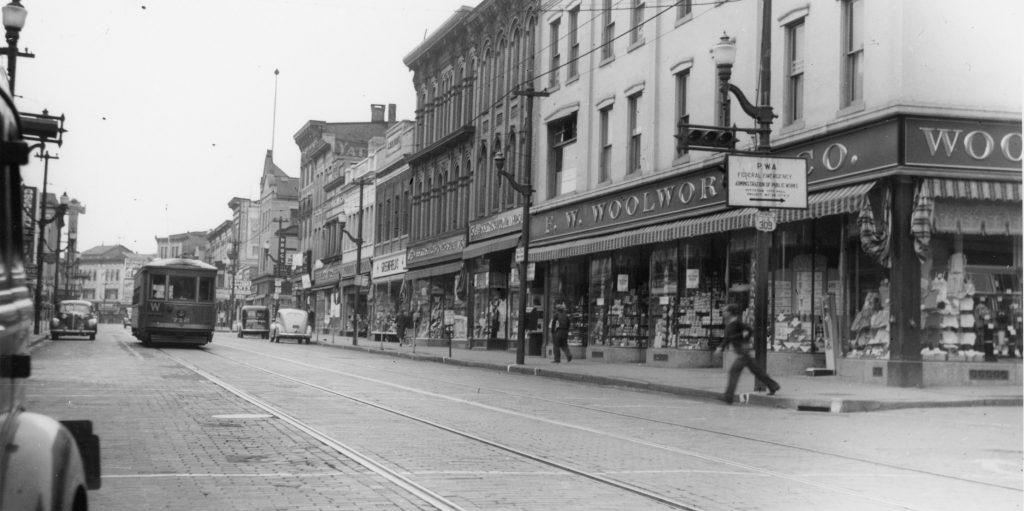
[{"x": 907, "y": 259}]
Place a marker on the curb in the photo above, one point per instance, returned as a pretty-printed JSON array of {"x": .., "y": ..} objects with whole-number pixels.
[
  {"x": 37, "y": 339},
  {"x": 752, "y": 399}
]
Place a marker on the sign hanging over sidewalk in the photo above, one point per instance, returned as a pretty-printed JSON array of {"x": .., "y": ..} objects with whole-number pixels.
[{"x": 767, "y": 182}]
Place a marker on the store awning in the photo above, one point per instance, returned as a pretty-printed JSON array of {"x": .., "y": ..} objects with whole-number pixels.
[
  {"x": 832, "y": 202},
  {"x": 490, "y": 246},
  {"x": 433, "y": 271},
  {"x": 974, "y": 189},
  {"x": 717, "y": 222},
  {"x": 390, "y": 278}
]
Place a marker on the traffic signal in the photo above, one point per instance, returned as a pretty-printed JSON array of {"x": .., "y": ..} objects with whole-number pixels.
[{"x": 708, "y": 138}]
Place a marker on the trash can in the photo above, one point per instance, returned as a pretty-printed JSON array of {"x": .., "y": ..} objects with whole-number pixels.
[{"x": 535, "y": 344}]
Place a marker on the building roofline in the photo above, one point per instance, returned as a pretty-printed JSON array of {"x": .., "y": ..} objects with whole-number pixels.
[{"x": 437, "y": 35}]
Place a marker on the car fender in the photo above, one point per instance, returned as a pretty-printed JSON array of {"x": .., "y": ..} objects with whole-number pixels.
[{"x": 42, "y": 468}]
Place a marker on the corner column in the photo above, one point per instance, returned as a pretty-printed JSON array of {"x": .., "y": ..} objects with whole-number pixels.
[{"x": 905, "y": 368}]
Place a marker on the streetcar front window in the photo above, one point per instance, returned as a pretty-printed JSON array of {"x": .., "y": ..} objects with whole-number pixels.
[
  {"x": 182, "y": 288},
  {"x": 205, "y": 289},
  {"x": 158, "y": 287}
]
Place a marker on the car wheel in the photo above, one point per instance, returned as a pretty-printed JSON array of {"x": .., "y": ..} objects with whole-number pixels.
[
  {"x": 53, "y": 336},
  {"x": 92, "y": 337}
]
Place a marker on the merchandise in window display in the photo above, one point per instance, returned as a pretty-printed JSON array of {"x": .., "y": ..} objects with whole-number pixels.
[
  {"x": 627, "y": 322},
  {"x": 870, "y": 328},
  {"x": 577, "y": 323}
]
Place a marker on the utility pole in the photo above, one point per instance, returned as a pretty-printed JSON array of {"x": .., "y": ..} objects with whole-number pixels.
[{"x": 40, "y": 225}]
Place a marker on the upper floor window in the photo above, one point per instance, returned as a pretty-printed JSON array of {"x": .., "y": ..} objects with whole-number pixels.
[
  {"x": 794, "y": 72},
  {"x": 636, "y": 22},
  {"x": 574, "y": 41},
  {"x": 682, "y": 112},
  {"x": 634, "y": 132},
  {"x": 556, "y": 57},
  {"x": 608, "y": 32},
  {"x": 853, "y": 52},
  {"x": 562, "y": 157},
  {"x": 605, "y": 157},
  {"x": 684, "y": 9}
]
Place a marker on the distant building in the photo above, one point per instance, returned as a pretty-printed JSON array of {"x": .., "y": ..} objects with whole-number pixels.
[
  {"x": 328, "y": 149},
  {"x": 192, "y": 244},
  {"x": 107, "y": 273},
  {"x": 278, "y": 206}
]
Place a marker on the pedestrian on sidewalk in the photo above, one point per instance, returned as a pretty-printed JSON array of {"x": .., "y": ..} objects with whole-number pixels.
[
  {"x": 402, "y": 322},
  {"x": 737, "y": 334},
  {"x": 560, "y": 330}
]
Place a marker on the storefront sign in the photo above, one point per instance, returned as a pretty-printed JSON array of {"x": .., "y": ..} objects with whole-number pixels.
[
  {"x": 385, "y": 266},
  {"x": 859, "y": 151},
  {"x": 767, "y": 182},
  {"x": 447, "y": 247},
  {"x": 449, "y": 317},
  {"x": 531, "y": 271},
  {"x": 28, "y": 203},
  {"x": 505, "y": 222},
  {"x": 692, "y": 279},
  {"x": 520, "y": 254},
  {"x": 963, "y": 144},
  {"x": 328, "y": 274},
  {"x": 622, "y": 283},
  {"x": 648, "y": 203}
]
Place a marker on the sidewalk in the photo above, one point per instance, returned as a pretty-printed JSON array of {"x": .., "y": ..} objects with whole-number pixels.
[{"x": 821, "y": 393}]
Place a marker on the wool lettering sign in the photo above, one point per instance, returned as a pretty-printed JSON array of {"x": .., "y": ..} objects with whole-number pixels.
[{"x": 648, "y": 203}]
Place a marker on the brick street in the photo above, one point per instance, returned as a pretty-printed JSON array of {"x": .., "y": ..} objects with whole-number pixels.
[{"x": 174, "y": 440}]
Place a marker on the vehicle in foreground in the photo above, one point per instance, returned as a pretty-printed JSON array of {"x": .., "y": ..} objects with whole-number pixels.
[
  {"x": 74, "y": 317},
  {"x": 291, "y": 324},
  {"x": 254, "y": 320},
  {"x": 45, "y": 465},
  {"x": 173, "y": 302}
]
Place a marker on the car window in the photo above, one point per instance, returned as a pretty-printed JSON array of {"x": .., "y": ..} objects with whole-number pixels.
[
  {"x": 182, "y": 288},
  {"x": 158, "y": 286},
  {"x": 76, "y": 308}
]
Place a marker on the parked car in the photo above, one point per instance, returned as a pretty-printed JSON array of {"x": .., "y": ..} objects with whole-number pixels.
[
  {"x": 254, "y": 319},
  {"x": 74, "y": 317},
  {"x": 127, "y": 320},
  {"x": 291, "y": 324}
]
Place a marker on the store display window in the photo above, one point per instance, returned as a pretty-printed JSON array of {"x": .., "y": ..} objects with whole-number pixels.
[
  {"x": 627, "y": 313},
  {"x": 703, "y": 292},
  {"x": 867, "y": 333},
  {"x": 664, "y": 296},
  {"x": 971, "y": 298},
  {"x": 568, "y": 283},
  {"x": 490, "y": 301},
  {"x": 804, "y": 279},
  {"x": 385, "y": 306},
  {"x": 600, "y": 297}
]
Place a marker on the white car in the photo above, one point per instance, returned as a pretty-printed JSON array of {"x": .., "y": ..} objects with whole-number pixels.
[{"x": 291, "y": 324}]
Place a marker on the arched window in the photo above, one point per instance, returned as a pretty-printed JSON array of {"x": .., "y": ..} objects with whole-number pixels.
[
  {"x": 455, "y": 203},
  {"x": 511, "y": 196},
  {"x": 502, "y": 70},
  {"x": 480, "y": 176},
  {"x": 442, "y": 202},
  {"x": 487, "y": 79},
  {"x": 496, "y": 183}
]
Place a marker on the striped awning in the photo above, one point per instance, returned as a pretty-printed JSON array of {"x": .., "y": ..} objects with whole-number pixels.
[
  {"x": 491, "y": 246},
  {"x": 974, "y": 189},
  {"x": 831, "y": 202},
  {"x": 433, "y": 271}
]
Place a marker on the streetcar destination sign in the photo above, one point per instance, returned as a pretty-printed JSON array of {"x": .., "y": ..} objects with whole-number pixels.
[{"x": 767, "y": 182}]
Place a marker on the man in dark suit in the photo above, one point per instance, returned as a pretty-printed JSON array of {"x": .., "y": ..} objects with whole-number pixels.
[
  {"x": 737, "y": 334},
  {"x": 560, "y": 333}
]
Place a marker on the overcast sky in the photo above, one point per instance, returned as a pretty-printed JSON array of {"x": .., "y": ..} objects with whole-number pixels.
[{"x": 169, "y": 103}]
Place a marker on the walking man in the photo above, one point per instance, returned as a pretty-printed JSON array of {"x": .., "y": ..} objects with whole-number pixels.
[
  {"x": 401, "y": 324},
  {"x": 560, "y": 329},
  {"x": 737, "y": 334}
]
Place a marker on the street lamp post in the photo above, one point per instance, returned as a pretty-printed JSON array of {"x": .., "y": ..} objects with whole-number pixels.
[
  {"x": 526, "y": 190},
  {"x": 14, "y": 20},
  {"x": 724, "y": 54},
  {"x": 233, "y": 259},
  {"x": 358, "y": 240}
]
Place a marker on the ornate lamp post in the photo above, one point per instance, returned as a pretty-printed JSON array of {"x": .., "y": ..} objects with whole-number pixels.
[{"x": 14, "y": 15}]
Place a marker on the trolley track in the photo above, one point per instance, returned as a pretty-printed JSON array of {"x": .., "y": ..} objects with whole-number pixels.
[
  {"x": 774, "y": 443},
  {"x": 593, "y": 476}
]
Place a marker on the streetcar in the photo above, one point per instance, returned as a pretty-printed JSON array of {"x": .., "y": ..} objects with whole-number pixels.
[{"x": 173, "y": 302}]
